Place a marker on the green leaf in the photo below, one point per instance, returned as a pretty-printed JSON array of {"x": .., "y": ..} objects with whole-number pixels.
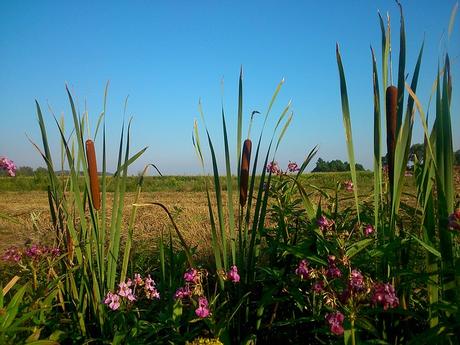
[
  {"x": 347, "y": 126},
  {"x": 357, "y": 247},
  {"x": 427, "y": 246},
  {"x": 12, "y": 309}
]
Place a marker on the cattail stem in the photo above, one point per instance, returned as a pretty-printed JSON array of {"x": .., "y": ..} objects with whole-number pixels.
[
  {"x": 391, "y": 109},
  {"x": 244, "y": 173},
  {"x": 92, "y": 171}
]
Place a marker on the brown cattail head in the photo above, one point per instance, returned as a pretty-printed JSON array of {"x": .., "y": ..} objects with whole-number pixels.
[
  {"x": 244, "y": 173},
  {"x": 392, "y": 108},
  {"x": 92, "y": 171}
]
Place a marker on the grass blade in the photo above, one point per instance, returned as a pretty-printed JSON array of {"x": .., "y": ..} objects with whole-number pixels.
[{"x": 347, "y": 126}]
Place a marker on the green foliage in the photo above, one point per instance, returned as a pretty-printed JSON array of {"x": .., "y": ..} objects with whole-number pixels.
[
  {"x": 310, "y": 258},
  {"x": 416, "y": 152},
  {"x": 335, "y": 165}
]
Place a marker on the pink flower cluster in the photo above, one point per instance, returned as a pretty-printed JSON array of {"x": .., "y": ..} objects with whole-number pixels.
[
  {"x": 130, "y": 291},
  {"x": 333, "y": 271},
  {"x": 335, "y": 321},
  {"x": 454, "y": 220},
  {"x": 356, "y": 282},
  {"x": 302, "y": 269},
  {"x": 203, "y": 308},
  {"x": 233, "y": 275},
  {"x": 191, "y": 276},
  {"x": 385, "y": 295},
  {"x": 324, "y": 224},
  {"x": 292, "y": 167},
  {"x": 112, "y": 300},
  {"x": 37, "y": 251},
  {"x": 274, "y": 168},
  {"x": 8, "y": 165},
  {"x": 183, "y": 292},
  {"x": 357, "y": 287},
  {"x": 318, "y": 286},
  {"x": 348, "y": 185},
  {"x": 192, "y": 287},
  {"x": 12, "y": 254},
  {"x": 34, "y": 252},
  {"x": 368, "y": 230},
  {"x": 150, "y": 289}
]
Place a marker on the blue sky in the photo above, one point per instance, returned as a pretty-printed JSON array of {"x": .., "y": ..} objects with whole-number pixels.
[{"x": 166, "y": 55}]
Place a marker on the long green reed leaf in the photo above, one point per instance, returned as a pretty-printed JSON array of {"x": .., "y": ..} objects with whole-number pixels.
[
  {"x": 231, "y": 213},
  {"x": 347, "y": 125},
  {"x": 378, "y": 197}
]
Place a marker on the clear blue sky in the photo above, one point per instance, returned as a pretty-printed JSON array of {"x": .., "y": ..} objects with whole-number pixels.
[{"x": 166, "y": 55}]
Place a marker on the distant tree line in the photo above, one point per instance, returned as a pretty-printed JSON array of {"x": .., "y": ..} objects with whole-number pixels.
[
  {"x": 417, "y": 152},
  {"x": 334, "y": 166},
  {"x": 29, "y": 171},
  {"x": 39, "y": 172}
]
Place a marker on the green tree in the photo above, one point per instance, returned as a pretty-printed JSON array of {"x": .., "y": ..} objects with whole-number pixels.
[
  {"x": 335, "y": 165},
  {"x": 25, "y": 171},
  {"x": 416, "y": 150},
  {"x": 40, "y": 171}
]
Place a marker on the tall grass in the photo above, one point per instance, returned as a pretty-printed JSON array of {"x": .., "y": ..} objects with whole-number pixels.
[
  {"x": 79, "y": 214},
  {"x": 434, "y": 178}
]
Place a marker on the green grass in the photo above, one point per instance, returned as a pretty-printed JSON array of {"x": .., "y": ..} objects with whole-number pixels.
[{"x": 180, "y": 183}]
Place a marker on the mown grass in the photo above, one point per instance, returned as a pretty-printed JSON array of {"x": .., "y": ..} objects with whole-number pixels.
[{"x": 25, "y": 199}]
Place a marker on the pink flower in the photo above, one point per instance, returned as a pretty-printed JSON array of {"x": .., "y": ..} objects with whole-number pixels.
[
  {"x": 356, "y": 282},
  {"x": 293, "y": 167},
  {"x": 331, "y": 259},
  {"x": 112, "y": 300},
  {"x": 124, "y": 290},
  {"x": 302, "y": 270},
  {"x": 368, "y": 230},
  {"x": 191, "y": 276},
  {"x": 12, "y": 254},
  {"x": 131, "y": 297},
  {"x": 150, "y": 289},
  {"x": 273, "y": 168},
  {"x": 182, "y": 292},
  {"x": 53, "y": 251},
  {"x": 318, "y": 286},
  {"x": 8, "y": 165},
  {"x": 138, "y": 280},
  {"x": 454, "y": 220},
  {"x": 233, "y": 275},
  {"x": 348, "y": 186},
  {"x": 335, "y": 321},
  {"x": 385, "y": 295},
  {"x": 324, "y": 223},
  {"x": 333, "y": 271},
  {"x": 202, "y": 311},
  {"x": 35, "y": 251}
]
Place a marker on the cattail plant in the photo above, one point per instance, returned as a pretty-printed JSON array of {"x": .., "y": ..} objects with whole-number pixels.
[
  {"x": 94, "y": 258},
  {"x": 244, "y": 172},
  {"x": 92, "y": 171},
  {"x": 391, "y": 116}
]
